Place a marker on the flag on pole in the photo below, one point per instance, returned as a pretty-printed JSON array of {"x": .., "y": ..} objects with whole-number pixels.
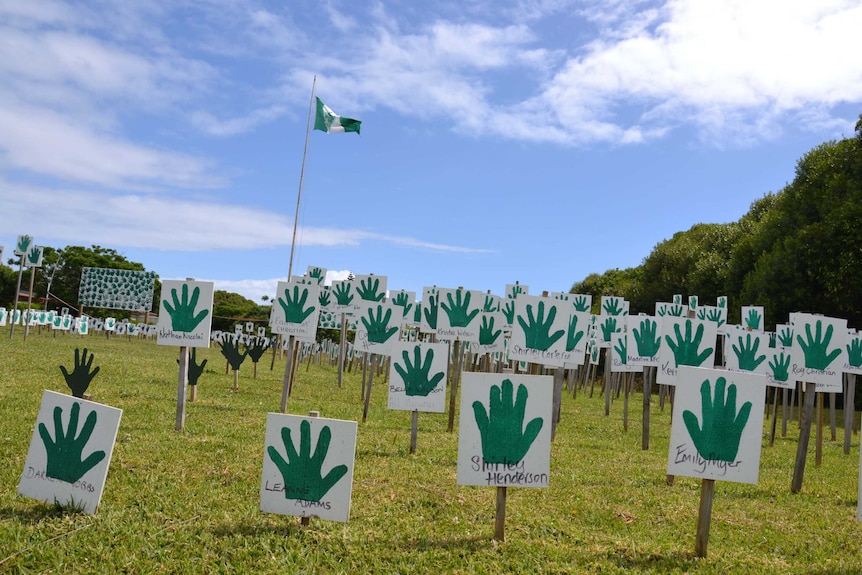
[{"x": 328, "y": 121}]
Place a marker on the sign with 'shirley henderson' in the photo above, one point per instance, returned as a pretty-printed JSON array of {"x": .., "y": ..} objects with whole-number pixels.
[
  {"x": 186, "y": 312},
  {"x": 504, "y": 437},
  {"x": 70, "y": 452}
]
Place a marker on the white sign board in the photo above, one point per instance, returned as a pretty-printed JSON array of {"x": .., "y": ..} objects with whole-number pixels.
[
  {"x": 417, "y": 376},
  {"x": 539, "y": 332},
  {"x": 644, "y": 340},
  {"x": 186, "y": 312},
  {"x": 717, "y": 425},
  {"x": 296, "y": 310},
  {"x": 377, "y": 328},
  {"x": 504, "y": 437},
  {"x": 308, "y": 466},
  {"x": 458, "y": 314},
  {"x": 685, "y": 341},
  {"x": 70, "y": 452},
  {"x": 818, "y": 345}
]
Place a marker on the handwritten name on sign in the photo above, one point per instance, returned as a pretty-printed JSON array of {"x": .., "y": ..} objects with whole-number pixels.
[{"x": 505, "y": 430}]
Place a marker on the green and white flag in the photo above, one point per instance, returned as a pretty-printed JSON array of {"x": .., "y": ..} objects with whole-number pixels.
[{"x": 328, "y": 121}]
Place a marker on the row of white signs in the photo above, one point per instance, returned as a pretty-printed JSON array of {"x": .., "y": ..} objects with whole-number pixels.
[{"x": 504, "y": 440}]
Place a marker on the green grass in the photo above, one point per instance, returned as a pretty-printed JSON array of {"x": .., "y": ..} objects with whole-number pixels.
[{"x": 188, "y": 502}]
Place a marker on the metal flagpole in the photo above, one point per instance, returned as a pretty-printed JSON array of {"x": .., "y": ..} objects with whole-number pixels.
[{"x": 301, "y": 175}]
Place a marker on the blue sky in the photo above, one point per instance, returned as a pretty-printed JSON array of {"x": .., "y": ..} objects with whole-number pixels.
[{"x": 534, "y": 141}]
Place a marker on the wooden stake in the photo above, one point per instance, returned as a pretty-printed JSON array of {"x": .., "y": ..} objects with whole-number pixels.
[
  {"x": 453, "y": 387},
  {"x": 30, "y": 303},
  {"x": 370, "y": 383},
  {"x": 849, "y": 409},
  {"x": 342, "y": 349},
  {"x": 557, "y": 401},
  {"x": 818, "y": 443},
  {"x": 285, "y": 389},
  {"x": 500, "y": 515},
  {"x": 804, "y": 437},
  {"x": 414, "y": 430},
  {"x": 181, "y": 388},
  {"x": 704, "y": 516},
  {"x": 648, "y": 374},
  {"x": 626, "y": 401},
  {"x": 832, "y": 415}
]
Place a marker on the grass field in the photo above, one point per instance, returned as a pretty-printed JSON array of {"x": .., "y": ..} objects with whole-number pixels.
[{"x": 188, "y": 502}]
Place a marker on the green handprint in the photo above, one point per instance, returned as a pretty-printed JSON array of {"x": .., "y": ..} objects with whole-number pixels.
[
  {"x": 581, "y": 304},
  {"x": 722, "y": 302},
  {"x": 609, "y": 326},
  {"x": 23, "y": 244},
  {"x": 317, "y": 274},
  {"x": 431, "y": 311},
  {"x": 256, "y": 351},
  {"x": 718, "y": 438},
  {"x": 323, "y": 298},
  {"x": 378, "y": 327},
  {"x": 402, "y": 300},
  {"x": 194, "y": 369},
  {"x": 622, "y": 350},
  {"x": 367, "y": 290},
  {"x": 612, "y": 306},
  {"x": 714, "y": 316},
  {"x": 647, "y": 340},
  {"x": 457, "y": 310},
  {"x": 80, "y": 378},
  {"x": 487, "y": 335},
  {"x": 342, "y": 294},
  {"x": 854, "y": 352},
  {"x": 501, "y": 427},
  {"x": 815, "y": 348},
  {"x": 780, "y": 365},
  {"x": 509, "y": 311},
  {"x": 537, "y": 330},
  {"x": 675, "y": 310},
  {"x": 182, "y": 313},
  {"x": 516, "y": 291},
  {"x": 701, "y": 313},
  {"x": 573, "y": 336},
  {"x": 230, "y": 351},
  {"x": 294, "y": 309},
  {"x": 65, "y": 451},
  {"x": 753, "y": 319},
  {"x": 685, "y": 350},
  {"x": 785, "y": 337},
  {"x": 34, "y": 255},
  {"x": 747, "y": 354},
  {"x": 490, "y": 305},
  {"x": 416, "y": 377},
  {"x": 302, "y": 471},
  {"x": 773, "y": 340}
]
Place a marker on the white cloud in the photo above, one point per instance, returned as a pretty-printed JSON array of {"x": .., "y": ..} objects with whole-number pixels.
[
  {"x": 159, "y": 222},
  {"x": 255, "y": 289}
]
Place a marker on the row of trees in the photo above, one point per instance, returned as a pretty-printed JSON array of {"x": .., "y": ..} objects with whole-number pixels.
[
  {"x": 799, "y": 249},
  {"x": 62, "y": 270}
]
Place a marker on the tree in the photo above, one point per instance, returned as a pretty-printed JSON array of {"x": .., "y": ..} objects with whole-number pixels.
[{"x": 230, "y": 307}]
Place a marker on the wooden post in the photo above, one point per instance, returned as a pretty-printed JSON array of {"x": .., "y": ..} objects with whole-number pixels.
[
  {"x": 849, "y": 409},
  {"x": 832, "y": 415},
  {"x": 648, "y": 375},
  {"x": 342, "y": 349},
  {"x": 414, "y": 430},
  {"x": 500, "y": 515},
  {"x": 17, "y": 293},
  {"x": 30, "y": 302},
  {"x": 370, "y": 383},
  {"x": 775, "y": 391},
  {"x": 626, "y": 377},
  {"x": 285, "y": 389},
  {"x": 455, "y": 372},
  {"x": 785, "y": 393},
  {"x": 306, "y": 521},
  {"x": 818, "y": 443},
  {"x": 704, "y": 516},
  {"x": 559, "y": 374},
  {"x": 804, "y": 437},
  {"x": 181, "y": 388}
]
